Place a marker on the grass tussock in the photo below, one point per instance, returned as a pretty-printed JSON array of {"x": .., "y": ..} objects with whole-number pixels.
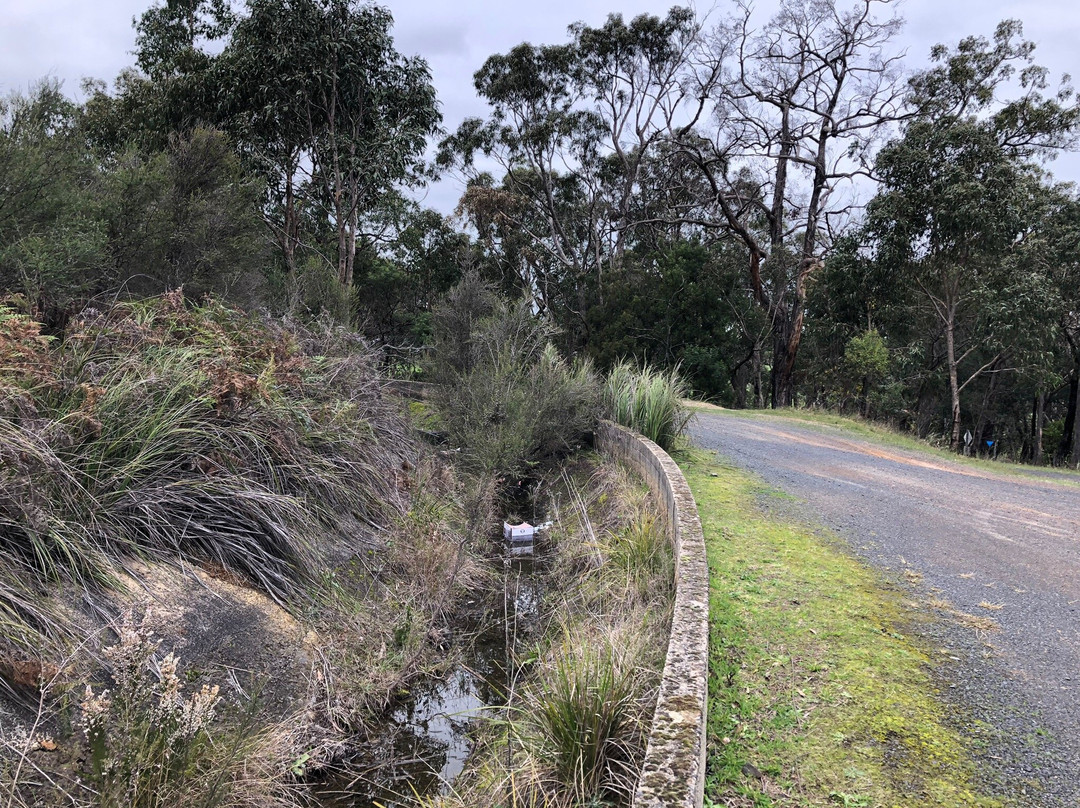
[
  {"x": 583, "y": 724},
  {"x": 649, "y": 400},
  {"x": 166, "y": 430}
]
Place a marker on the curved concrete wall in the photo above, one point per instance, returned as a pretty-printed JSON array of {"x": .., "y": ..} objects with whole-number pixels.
[{"x": 673, "y": 773}]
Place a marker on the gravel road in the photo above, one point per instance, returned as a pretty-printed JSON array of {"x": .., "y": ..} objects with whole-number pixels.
[{"x": 998, "y": 546}]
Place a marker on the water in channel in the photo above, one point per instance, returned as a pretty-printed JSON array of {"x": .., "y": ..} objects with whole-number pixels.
[{"x": 430, "y": 730}]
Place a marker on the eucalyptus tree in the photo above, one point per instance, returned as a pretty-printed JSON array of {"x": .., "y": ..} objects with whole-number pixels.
[
  {"x": 797, "y": 106},
  {"x": 173, "y": 90},
  {"x": 1053, "y": 253},
  {"x": 329, "y": 111},
  {"x": 313, "y": 95},
  {"x": 960, "y": 194},
  {"x": 664, "y": 126},
  {"x": 571, "y": 128}
]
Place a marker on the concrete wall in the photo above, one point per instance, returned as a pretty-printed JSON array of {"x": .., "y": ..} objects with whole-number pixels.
[{"x": 673, "y": 774}]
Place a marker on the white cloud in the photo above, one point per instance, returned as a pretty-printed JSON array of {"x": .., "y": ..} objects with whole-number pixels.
[{"x": 70, "y": 39}]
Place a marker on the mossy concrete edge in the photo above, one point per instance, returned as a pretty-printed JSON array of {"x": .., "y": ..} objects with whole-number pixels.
[{"x": 673, "y": 773}]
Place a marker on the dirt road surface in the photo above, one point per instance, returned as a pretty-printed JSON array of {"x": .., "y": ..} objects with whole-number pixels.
[{"x": 977, "y": 544}]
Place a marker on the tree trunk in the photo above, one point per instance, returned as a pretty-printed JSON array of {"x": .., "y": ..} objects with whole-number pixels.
[
  {"x": 1038, "y": 418},
  {"x": 342, "y": 239},
  {"x": 786, "y": 337},
  {"x": 1076, "y": 443},
  {"x": 740, "y": 375},
  {"x": 1065, "y": 447},
  {"x": 926, "y": 409},
  {"x": 738, "y": 387},
  {"x": 349, "y": 248},
  {"x": 290, "y": 238},
  {"x": 759, "y": 388},
  {"x": 954, "y": 385},
  {"x": 988, "y": 399}
]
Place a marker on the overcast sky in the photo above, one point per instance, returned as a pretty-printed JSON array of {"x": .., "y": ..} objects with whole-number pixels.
[{"x": 72, "y": 39}]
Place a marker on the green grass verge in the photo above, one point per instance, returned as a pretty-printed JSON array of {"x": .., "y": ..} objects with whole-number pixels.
[{"x": 816, "y": 696}]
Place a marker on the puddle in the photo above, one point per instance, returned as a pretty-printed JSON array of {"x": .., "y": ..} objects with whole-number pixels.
[{"x": 430, "y": 733}]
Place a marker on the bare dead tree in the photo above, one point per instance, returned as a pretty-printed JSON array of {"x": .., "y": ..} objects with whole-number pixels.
[{"x": 797, "y": 108}]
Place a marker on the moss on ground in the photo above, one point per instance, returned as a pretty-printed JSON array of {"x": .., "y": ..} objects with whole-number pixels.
[{"x": 817, "y": 695}]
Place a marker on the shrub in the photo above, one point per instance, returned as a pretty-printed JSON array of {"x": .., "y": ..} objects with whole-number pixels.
[
  {"x": 146, "y": 741},
  {"x": 649, "y": 400},
  {"x": 506, "y": 396}
]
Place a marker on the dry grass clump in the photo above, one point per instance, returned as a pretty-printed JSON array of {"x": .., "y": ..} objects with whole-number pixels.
[
  {"x": 169, "y": 430},
  {"x": 575, "y": 729}
]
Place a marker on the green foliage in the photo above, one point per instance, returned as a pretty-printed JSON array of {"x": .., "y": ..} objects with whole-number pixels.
[
  {"x": 396, "y": 288},
  {"x": 53, "y": 244},
  {"x": 187, "y": 216},
  {"x": 141, "y": 223},
  {"x": 684, "y": 305},
  {"x": 506, "y": 396},
  {"x": 162, "y": 430},
  {"x": 959, "y": 263},
  {"x": 648, "y": 400},
  {"x": 866, "y": 361}
]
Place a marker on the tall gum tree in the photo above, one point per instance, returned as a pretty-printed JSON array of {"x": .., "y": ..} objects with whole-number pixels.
[
  {"x": 797, "y": 106},
  {"x": 960, "y": 194},
  {"x": 572, "y": 128},
  {"x": 771, "y": 121},
  {"x": 314, "y": 96},
  {"x": 330, "y": 110}
]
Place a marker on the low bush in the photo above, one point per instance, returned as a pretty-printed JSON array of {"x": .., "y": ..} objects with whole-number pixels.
[{"x": 506, "y": 397}]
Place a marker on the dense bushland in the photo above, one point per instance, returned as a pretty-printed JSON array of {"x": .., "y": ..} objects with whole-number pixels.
[
  {"x": 728, "y": 248},
  {"x": 237, "y": 471}
]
